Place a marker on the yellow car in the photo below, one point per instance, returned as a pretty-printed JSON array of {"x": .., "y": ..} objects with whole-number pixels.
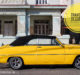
[{"x": 39, "y": 50}]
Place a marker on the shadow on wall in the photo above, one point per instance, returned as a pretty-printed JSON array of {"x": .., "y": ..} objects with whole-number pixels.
[{"x": 74, "y": 38}]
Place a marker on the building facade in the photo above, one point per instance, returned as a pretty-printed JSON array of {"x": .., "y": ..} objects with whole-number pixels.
[{"x": 32, "y": 17}]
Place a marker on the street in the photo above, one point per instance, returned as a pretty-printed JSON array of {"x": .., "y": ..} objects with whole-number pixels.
[{"x": 40, "y": 70}]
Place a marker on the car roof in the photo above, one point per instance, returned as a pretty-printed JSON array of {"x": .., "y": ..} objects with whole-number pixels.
[
  {"x": 38, "y": 36},
  {"x": 22, "y": 40}
]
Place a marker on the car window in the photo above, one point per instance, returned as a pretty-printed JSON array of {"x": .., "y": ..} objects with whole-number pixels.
[
  {"x": 33, "y": 42},
  {"x": 49, "y": 42},
  {"x": 44, "y": 41}
]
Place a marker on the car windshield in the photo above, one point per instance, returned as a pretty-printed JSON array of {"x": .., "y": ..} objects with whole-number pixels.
[{"x": 19, "y": 41}]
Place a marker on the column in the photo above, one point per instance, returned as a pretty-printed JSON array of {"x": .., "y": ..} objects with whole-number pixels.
[
  {"x": 28, "y": 24},
  {"x": 21, "y": 25},
  {"x": 56, "y": 22}
]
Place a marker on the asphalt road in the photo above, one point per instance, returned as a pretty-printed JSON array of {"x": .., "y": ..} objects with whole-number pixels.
[{"x": 40, "y": 70}]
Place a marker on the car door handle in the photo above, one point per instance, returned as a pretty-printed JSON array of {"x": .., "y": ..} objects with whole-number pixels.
[{"x": 38, "y": 47}]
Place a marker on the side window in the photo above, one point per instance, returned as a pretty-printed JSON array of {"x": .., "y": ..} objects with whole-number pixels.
[
  {"x": 48, "y": 42},
  {"x": 33, "y": 42},
  {"x": 44, "y": 41}
]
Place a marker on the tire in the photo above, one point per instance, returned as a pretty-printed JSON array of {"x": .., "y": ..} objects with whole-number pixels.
[
  {"x": 15, "y": 63},
  {"x": 77, "y": 63}
]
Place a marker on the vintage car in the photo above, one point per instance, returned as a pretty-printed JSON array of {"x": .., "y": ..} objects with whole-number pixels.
[{"x": 39, "y": 50}]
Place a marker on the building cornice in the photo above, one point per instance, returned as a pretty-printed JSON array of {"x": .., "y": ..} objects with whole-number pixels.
[
  {"x": 33, "y": 6},
  {"x": 49, "y": 6},
  {"x": 14, "y": 6}
]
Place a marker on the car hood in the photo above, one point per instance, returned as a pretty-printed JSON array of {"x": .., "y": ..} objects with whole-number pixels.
[{"x": 72, "y": 46}]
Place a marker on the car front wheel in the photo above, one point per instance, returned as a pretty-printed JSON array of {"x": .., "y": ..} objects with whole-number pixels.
[
  {"x": 15, "y": 63},
  {"x": 77, "y": 63}
]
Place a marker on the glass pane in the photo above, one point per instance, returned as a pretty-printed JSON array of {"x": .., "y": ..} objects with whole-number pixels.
[
  {"x": 32, "y": 42},
  {"x": 42, "y": 27},
  {"x": 36, "y": 1},
  {"x": 44, "y": 41}
]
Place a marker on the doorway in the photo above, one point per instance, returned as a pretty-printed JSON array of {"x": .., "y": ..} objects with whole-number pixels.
[
  {"x": 42, "y": 27},
  {"x": 9, "y": 28}
]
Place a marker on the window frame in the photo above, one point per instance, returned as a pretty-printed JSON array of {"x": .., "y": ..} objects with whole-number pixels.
[
  {"x": 42, "y": 27},
  {"x": 51, "y": 42},
  {"x": 41, "y": 2},
  {"x": 58, "y": 44}
]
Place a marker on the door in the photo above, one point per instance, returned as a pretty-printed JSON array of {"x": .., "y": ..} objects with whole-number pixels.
[
  {"x": 31, "y": 52},
  {"x": 42, "y": 27},
  {"x": 9, "y": 28},
  {"x": 50, "y": 51}
]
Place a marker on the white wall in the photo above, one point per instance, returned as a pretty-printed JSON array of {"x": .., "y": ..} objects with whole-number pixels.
[
  {"x": 76, "y": 1},
  {"x": 33, "y": 2},
  {"x": 73, "y": 1},
  {"x": 12, "y": 2},
  {"x": 51, "y": 2}
]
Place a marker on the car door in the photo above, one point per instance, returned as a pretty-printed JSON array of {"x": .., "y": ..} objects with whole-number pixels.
[
  {"x": 26, "y": 48},
  {"x": 31, "y": 52},
  {"x": 49, "y": 51}
]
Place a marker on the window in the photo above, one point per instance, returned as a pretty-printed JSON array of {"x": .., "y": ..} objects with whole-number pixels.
[
  {"x": 48, "y": 42},
  {"x": 44, "y": 41},
  {"x": 41, "y": 1},
  {"x": 45, "y": 1},
  {"x": 36, "y": 1},
  {"x": 42, "y": 27},
  {"x": 33, "y": 42}
]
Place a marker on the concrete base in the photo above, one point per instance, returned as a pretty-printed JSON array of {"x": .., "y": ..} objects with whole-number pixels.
[
  {"x": 64, "y": 39},
  {"x": 6, "y": 40},
  {"x": 21, "y": 34}
]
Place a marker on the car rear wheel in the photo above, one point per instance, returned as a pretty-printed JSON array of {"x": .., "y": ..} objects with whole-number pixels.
[
  {"x": 15, "y": 63},
  {"x": 77, "y": 63}
]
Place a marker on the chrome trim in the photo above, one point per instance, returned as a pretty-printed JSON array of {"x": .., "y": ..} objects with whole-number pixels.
[{"x": 39, "y": 54}]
